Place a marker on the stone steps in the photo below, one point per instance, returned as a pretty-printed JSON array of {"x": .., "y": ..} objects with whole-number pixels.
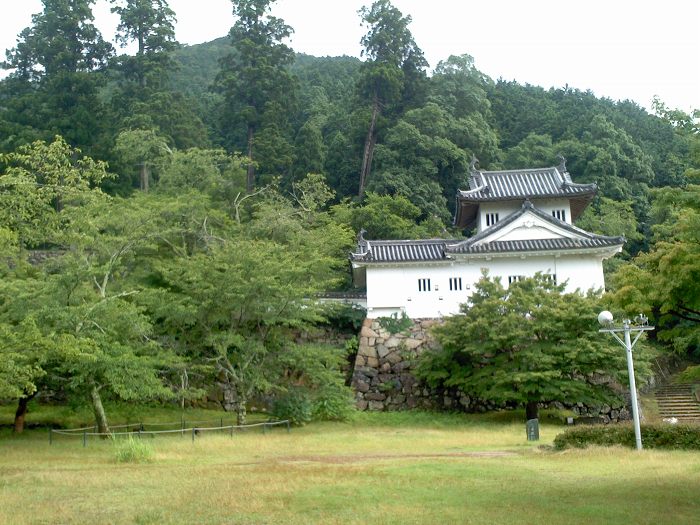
[{"x": 678, "y": 401}]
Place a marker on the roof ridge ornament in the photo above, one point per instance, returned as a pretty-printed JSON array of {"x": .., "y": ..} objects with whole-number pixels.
[
  {"x": 473, "y": 164},
  {"x": 527, "y": 205},
  {"x": 361, "y": 236},
  {"x": 562, "y": 163}
]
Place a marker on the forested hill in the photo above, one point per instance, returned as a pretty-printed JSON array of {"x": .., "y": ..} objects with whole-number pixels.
[
  {"x": 425, "y": 141},
  {"x": 196, "y": 200}
]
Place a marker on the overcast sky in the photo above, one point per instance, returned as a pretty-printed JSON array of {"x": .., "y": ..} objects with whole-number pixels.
[{"x": 621, "y": 49}]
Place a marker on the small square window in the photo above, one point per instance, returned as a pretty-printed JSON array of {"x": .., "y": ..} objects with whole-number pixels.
[
  {"x": 559, "y": 214},
  {"x": 455, "y": 284}
]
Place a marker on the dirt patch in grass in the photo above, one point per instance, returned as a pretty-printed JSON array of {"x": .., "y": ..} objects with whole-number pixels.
[{"x": 376, "y": 457}]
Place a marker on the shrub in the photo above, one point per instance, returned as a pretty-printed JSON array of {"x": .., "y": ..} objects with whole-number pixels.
[
  {"x": 395, "y": 324},
  {"x": 670, "y": 437},
  {"x": 689, "y": 375},
  {"x": 295, "y": 406},
  {"x": 334, "y": 403},
  {"x": 133, "y": 450}
]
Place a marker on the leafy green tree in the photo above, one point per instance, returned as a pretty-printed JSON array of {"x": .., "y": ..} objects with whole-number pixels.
[
  {"x": 142, "y": 149},
  {"x": 151, "y": 24},
  {"x": 388, "y": 217},
  {"x": 237, "y": 303},
  {"x": 40, "y": 180},
  {"x": 609, "y": 217},
  {"x": 392, "y": 56},
  {"x": 212, "y": 172},
  {"x": 534, "y": 150},
  {"x": 310, "y": 150},
  {"x": 666, "y": 280},
  {"x": 525, "y": 345},
  {"x": 419, "y": 160},
  {"x": 54, "y": 65},
  {"x": 254, "y": 74},
  {"x": 24, "y": 351}
]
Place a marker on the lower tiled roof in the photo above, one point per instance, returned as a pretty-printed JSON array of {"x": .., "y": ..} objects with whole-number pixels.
[
  {"x": 402, "y": 251},
  {"x": 541, "y": 245}
]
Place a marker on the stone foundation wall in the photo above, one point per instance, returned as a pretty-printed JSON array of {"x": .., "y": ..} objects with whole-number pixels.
[{"x": 383, "y": 376}]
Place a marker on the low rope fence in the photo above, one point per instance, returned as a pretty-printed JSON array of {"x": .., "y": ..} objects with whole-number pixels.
[{"x": 139, "y": 429}]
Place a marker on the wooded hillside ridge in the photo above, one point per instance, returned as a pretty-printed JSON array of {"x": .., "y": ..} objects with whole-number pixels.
[{"x": 200, "y": 196}]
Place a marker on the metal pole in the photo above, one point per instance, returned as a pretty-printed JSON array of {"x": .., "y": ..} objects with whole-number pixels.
[
  {"x": 633, "y": 388},
  {"x": 50, "y": 436}
]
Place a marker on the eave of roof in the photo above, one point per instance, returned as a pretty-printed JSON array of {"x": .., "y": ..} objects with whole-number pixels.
[
  {"x": 401, "y": 251},
  {"x": 527, "y": 207},
  {"x": 441, "y": 250},
  {"x": 514, "y": 185}
]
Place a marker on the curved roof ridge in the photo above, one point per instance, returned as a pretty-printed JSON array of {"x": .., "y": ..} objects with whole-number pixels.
[{"x": 519, "y": 170}]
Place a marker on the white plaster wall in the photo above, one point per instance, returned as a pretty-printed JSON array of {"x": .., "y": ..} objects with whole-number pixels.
[
  {"x": 502, "y": 208},
  {"x": 395, "y": 289},
  {"x": 506, "y": 208},
  {"x": 548, "y": 205},
  {"x": 582, "y": 273},
  {"x": 528, "y": 226}
]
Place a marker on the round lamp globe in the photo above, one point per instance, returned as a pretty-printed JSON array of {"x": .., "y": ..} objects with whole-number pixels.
[{"x": 605, "y": 318}]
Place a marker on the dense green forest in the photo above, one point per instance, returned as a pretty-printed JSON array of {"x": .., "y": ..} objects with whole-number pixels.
[{"x": 193, "y": 200}]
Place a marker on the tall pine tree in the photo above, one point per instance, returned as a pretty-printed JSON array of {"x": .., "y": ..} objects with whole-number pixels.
[{"x": 254, "y": 77}]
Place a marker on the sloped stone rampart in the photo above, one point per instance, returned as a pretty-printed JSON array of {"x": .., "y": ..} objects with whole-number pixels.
[{"x": 383, "y": 376}]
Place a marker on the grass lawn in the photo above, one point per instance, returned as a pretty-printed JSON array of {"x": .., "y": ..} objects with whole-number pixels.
[{"x": 379, "y": 469}]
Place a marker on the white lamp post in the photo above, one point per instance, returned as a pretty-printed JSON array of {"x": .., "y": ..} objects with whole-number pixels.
[{"x": 605, "y": 318}]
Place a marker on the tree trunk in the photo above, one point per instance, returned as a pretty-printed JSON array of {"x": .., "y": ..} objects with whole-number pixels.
[
  {"x": 370, "y": 141},
  {"x": 140, "y": 65},
  {"x": 98, "y": 409},
  {"x": 145, "y": 176},
  {"x": 21, "y": 412},
  {"x": 531, "y": 410},
  {"x": 241, "y": 412},
  {"x": 250, "y": 176}
]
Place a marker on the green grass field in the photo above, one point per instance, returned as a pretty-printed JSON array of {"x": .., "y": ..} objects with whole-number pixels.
[{"x": 381, "y": 469}]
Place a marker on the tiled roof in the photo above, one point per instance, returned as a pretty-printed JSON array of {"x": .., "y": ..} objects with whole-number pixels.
[
  {"x": 585, "y": 240},
  {"x": 509, "y": 185},
  {"x": 519, "y": 184},
  {"x": 400, "y": 251},
  {"x": 441, "y": 249},
  {"x": 541, "y": 245}
]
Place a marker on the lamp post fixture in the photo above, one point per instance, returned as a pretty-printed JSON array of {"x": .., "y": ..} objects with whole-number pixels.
[{"x": 641, "y": 325}]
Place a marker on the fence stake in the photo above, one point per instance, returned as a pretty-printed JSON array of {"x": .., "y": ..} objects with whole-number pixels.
[
  {"x": 264, "y": 428},
  {"x": 183, "y": 427},
  {"x": 139, "y": 433},
  {"x": 50, "y": 436},
  {"x": 84, "y": 438},
  {"x": 288, "y": 426},
  {"x": 222, "y": 423},
  {"x": 231, "y": 430},
  {"x": 193, "y": 432}
]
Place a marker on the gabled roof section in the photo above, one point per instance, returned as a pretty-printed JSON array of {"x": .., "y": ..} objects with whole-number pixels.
[
  {"x": 530, "y": 183},
  {"x": 580, "y": 239}
]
